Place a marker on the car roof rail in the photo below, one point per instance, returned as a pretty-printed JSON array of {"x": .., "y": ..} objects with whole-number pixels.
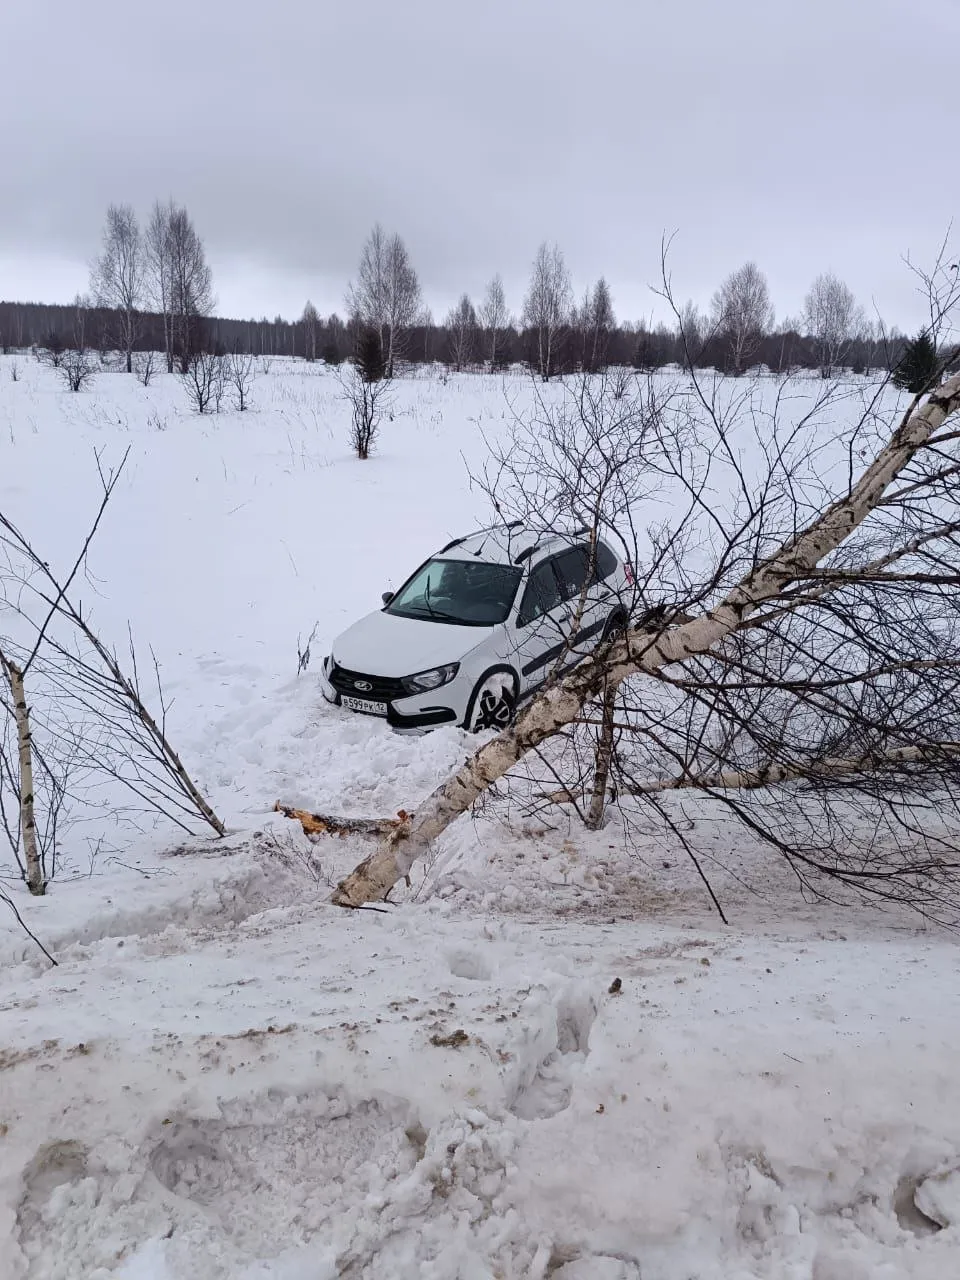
[
  {"x": 559, "y": 536},
  {"x": 455, "y": 542}
]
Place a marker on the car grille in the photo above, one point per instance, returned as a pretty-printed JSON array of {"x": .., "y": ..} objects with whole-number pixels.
[{"x": 382, "y": 688}]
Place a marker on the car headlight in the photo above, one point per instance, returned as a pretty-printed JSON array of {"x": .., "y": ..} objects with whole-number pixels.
[
  {"x": 327, "y": 664},
  {"x": 423, "y": 681}
]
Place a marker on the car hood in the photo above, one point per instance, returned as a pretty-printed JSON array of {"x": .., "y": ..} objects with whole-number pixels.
[{"x": 383, "y": 644}]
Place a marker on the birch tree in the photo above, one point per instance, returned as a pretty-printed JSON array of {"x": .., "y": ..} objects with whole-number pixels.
[
  {"x": 191, "y": 285},
  {"x": 805, "y": 570},
  {"x": 547, "y": 306},
  {"x": 403, "y": 300},
  {"x": 833, "y": 319},
  {"x": 386, "y": 294},
  {"x": 59, "y": 676},
  {"x": 159, "y": 282},
  {"x": 22, "y": 777},
  {"x": 462, "y": 328},
  {"x": 742, "y": 314},
  {"x": 310, "y": 320},
  {"x": 601, "y": 322},
  {"x": 181, "y": 283},
  {"x": 118, "y": 277},
  {"x": 803, "y": 634},
  {"x": 494, "y": 317}
]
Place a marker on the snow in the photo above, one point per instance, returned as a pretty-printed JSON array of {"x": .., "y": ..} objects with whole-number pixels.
[{"x": 226, "y": 1077}]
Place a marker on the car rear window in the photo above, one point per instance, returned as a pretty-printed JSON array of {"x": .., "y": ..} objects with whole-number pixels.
[
  {"x": 542, "y": 594},
  {"x": 571, "y": 568},
  {"x": 606, "y": 562}
]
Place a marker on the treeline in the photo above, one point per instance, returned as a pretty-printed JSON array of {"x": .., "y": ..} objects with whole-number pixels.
[
  {"x": 151, "y": 289},
  {"x": 25, "y": 325}
]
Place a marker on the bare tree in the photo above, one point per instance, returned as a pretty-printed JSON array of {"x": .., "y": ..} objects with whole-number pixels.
[
  {"x": 462, "y": 332},
  {"x": 592, "y": 321},
  {"x": 159, "y": 272},
  {"x": 93, "y": 707},
  {"x": 494, "y": 317},
  {"x": 181, "y": 283},
  {"x": 742, "y": 313},
  {"x": 403, "y": 300},
  {"x": 367, "y": 297},
  {"x": 192, "y": 285},
  {"x": 693, "y": 331},
  {"x": 77, "y": 369},
  {"x": 310, "y": 319},
  {"x": 368, "y": 402},
  {"x": 76, "y": 366},
  {"x": 833, "y": 319},
  {"x": 386, "y": 295},
  {"x": 50, "y": 351},
  {"x": 118, "y": 275},
  {"x": 802, "y": 632},
  {"x": 241, "y": 374},
  {"x": 600, "y": 324},
  {"x": 145, "y": 366},
  {"x": 546, "y": 308},
  {"x": 335, "y": 347},
  {"x": 367, "y": 390},
  {"x": 204, "y": 381}
]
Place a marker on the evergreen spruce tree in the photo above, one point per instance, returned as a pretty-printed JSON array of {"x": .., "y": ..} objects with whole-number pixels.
[
  {"x": 369, "y": 356},
  {"x": 919, "y": 365}
]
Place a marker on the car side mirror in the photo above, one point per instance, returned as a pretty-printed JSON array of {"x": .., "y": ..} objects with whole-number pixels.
[{"x": 387, "y": 597}]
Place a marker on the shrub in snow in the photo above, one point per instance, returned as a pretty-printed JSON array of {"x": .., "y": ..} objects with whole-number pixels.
[{"x": 77, "y": 369}]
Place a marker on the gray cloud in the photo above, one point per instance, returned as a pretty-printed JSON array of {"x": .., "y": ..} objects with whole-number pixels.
[{"x": 806, "y": 137}]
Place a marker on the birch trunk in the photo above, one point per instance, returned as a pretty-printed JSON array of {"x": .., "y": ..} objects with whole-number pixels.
[
  {"x": 646, "y": 650},
  {"x": 776, "y": 774},
  {"x": 28, "y": 824},
  {"x": 604, "y": 757}
]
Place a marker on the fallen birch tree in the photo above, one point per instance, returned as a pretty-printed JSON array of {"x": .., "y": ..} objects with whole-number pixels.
[
  {"x": 779, "y": 584},
  {"x": 808, "y": 633}
]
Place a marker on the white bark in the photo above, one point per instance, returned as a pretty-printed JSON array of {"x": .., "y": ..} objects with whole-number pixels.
[
  {"x": 773, "y": 775},
  {"x": 648, "y": 650},
  {"x": 28, "y": 823},
  {"x": 603, "y": 760}
]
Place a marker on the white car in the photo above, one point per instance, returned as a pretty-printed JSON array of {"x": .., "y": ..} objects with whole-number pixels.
[{"x": 477, "y": 628}]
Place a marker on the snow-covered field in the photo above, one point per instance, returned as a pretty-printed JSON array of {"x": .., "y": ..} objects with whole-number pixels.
[{"x": 225, "y": 1077}]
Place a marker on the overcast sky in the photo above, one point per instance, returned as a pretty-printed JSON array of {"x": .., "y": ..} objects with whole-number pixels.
[{"x": 808, "y": 136}]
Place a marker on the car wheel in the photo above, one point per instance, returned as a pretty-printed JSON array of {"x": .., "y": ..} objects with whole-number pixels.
[{"x": 494, "y": 703}]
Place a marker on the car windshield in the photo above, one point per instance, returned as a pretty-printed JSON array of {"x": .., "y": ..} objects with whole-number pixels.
[{"x": 469, "y": 593}]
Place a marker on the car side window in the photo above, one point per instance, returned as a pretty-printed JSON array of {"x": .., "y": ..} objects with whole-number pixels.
[
  {"x": 606, "y": 562},
  {"x": 572, "y": 569},
  {"x": 542, "y": 594}
]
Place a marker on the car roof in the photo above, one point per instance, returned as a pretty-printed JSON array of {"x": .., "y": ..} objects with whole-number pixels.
[{"x": 513, "y": 543}]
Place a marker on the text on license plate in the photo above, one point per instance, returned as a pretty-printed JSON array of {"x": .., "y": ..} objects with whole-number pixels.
[{"x": 363, "y": 704}]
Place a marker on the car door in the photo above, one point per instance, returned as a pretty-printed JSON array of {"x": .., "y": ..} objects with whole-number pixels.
[
  {"x": 572, "y": 568},
  {"x": 542, "y": 625}
]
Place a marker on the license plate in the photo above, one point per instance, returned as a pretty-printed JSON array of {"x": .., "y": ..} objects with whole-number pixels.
[{"x": 365, "y": 705}]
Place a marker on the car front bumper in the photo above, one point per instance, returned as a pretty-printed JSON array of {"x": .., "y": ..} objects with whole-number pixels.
[{"x": 416, "y": 713}]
